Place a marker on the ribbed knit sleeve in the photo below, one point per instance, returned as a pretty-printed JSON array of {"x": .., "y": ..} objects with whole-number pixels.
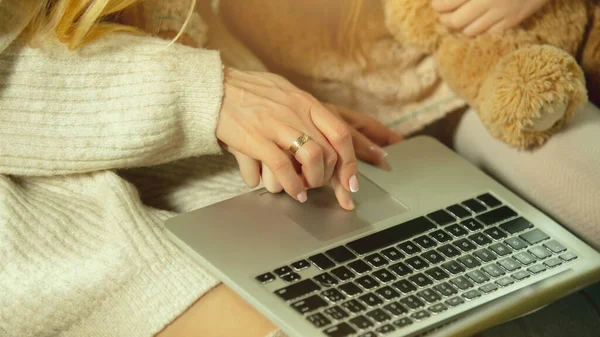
[{"x": 124, "y": 101}]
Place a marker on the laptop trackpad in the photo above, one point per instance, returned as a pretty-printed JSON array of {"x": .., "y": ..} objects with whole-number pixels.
[{"x": 323, "y": 218}]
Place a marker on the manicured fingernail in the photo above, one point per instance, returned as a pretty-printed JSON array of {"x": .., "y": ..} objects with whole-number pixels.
[
  {"x": 302, "y": 197},
  {"x": 379, "y": 152},
  {"x": 353, "y": 183}
]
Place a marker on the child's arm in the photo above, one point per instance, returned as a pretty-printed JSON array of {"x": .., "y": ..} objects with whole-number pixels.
[{"x": 474, "y": 17}]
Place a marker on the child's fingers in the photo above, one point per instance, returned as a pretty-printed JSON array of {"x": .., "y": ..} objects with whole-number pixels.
[
  {"x": 465, "y": 15},
  {"x": 483, "y": 23},
  {"x": 444, "y": 6}
]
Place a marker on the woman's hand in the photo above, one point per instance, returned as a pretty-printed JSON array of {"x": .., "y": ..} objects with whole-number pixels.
[
  {"x": 368, "y": 138},
  {"x": 474, "y": 17},
  {"x": 263, "y": 114}
]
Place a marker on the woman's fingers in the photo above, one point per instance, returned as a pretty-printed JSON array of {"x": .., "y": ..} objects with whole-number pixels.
[
  {"x": 444, "y": 6},
  {"x": 339, "y": 135},
  {"x": 366, "y": 150},
  {"x": 465, "y": 15},
  {"x": 368, "y": 126},
  {"x": 249, "y": 168},
  {"x": 483, "y": 23}
]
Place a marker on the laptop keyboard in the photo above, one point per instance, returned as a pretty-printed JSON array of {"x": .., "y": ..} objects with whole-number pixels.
[{"x": 408, "y": 273}]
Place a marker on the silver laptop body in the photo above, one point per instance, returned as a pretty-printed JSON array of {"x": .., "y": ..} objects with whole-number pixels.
[{"x": 433, "y": 241}]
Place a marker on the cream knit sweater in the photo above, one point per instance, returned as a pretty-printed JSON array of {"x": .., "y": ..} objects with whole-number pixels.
[{"x": 82, "y": 244}]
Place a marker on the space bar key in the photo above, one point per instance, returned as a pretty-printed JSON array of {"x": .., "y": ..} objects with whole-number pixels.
[{"x": 389, "y": 236}]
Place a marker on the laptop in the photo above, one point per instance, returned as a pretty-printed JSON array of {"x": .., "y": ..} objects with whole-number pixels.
[{"x": 434, "y": 246}]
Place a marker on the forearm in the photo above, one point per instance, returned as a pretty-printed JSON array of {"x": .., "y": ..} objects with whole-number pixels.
[{"x": 106, "y": 106}]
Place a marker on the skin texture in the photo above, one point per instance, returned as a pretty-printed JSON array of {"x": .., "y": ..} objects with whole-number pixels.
[{"x": 474, "y": 17}]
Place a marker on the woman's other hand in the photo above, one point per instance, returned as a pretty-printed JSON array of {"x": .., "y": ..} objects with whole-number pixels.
[
  {"x": 474, "y": 17},
  {"x": 263, "y": 114}
]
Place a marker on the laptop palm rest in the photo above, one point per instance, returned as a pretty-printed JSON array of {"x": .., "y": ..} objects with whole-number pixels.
[{"x": 326, "y": 220}]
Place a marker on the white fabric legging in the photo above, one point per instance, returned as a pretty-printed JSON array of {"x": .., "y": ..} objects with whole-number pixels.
[{"x": 562, "y": 178}]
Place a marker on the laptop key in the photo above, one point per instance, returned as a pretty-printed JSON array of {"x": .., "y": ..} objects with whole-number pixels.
[
  {"x": 420, "y": 315},
  {"x": 376, "y": 260},
  {"x": 495, "y": 233},
  {"x": 429, "y": 295},
  {"x": 441, "y": 217},
  {"x": 368, "y": 334},
  {"x": 469, "y": 261},
  {"x": 445, "y": 289},
  {"x": 493, "y": 270},
  {"x": 425, "y": 242},
  {"x": 534, "y": 236},
  {"x": 402, "y": 322},
  {"x": 536, "y": 269},
  {"x": 353, "y": 306},
  {"x": 321, "y": 261},
  {"x": 441, "y": 236},
  {"x": 480, "y": 239},
  {"x": 461, "y": 283},
  {"x": 489, "y": 200},
  {"x": 516, "y": 225},
  {"x": 474, "y": 205},
  {"x": 384, "y": 276},
  {"x": 395, "y": 309},
  {"x": 409, "y": 248},
  {"x": 404, "y": 286},
  {"x": 488, "y": 288},
  {"x": 282, "y": 271},
  {"x": 477, "y": 276},
  {"x": 297, "y": 290},
  {"x": 367, "y": 282},
  {"x": 417, "y": 263},
  {"x": 340, "y": 330},
  {"x": 516, "y": 243},
  {"x": 340, "y": 254},
  {"x": 342, "y": 273},
  {"x": 433, "y": 257},
  {"x": 412, "y": 302},
  {"x": 326, "y": 280},
  {"x": 300, "y": 265},
  {"x": 400, "y": 269},
  {"x": 265, "y": 278},
  {"x": 509, "y": 264},
  {"x": 456, "y": 230},
  {"x": 500, "y": 249},
  {"x": 392, "y": 254},
  {"x": 525, "y": 258},
  {"x": 459, "y": 211},
  {"x": 420, "y": 280},
  {"x": 437, "y": 274},
  {"x": 318, "y": 320},
  {"x": 333, "y": 295},
  {"x": 437, "y": 308},
  {"x": 555, "y": 247},
  {"x": 336, "y": 313},
  {"x": 449, "y": 250},
  {"x": 387, "y": 293},
  {"x": 505, "y": 281},
  {"x": 385, "y": 329},
  {"x": 540, "y": 252},
  {"x": 495, "y": 216},
  {"x": 291, "y": 277},
  {"x": 520, "y": 275},
  {"x": 350, "y": 289},
  {"x": 472, "y": 294},
  {"x": 359, "y": 267},
  {"x": 378, "y": 316},
  {"x": 568, "y": 256},
  {"x": 371, "y": 300},
  {"x": 453, "y": 267},
  {"x": 361, "y": 322},
  {"x": 391, "y": 235},
  {"x": 309, "y": 304},
  {"x": 553, "y": 262},
  {"x": 465, "y": 245},
  {"x": 472, "y": 225},
  {"x": 484, "y": 255},
  {"x": 455, "y": 301}
]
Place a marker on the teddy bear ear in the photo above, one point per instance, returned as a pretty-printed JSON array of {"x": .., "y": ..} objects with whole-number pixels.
[{"x": 414, "y": 22}]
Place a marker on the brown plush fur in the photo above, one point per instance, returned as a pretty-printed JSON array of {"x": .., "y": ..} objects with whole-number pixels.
[{"x": 514, "y": 78}]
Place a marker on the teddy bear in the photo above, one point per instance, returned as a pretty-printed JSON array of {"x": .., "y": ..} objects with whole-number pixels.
[{"x": 525, "y": 83}]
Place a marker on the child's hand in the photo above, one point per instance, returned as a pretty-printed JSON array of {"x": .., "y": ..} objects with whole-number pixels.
[{"x": 474, "y": 17}]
